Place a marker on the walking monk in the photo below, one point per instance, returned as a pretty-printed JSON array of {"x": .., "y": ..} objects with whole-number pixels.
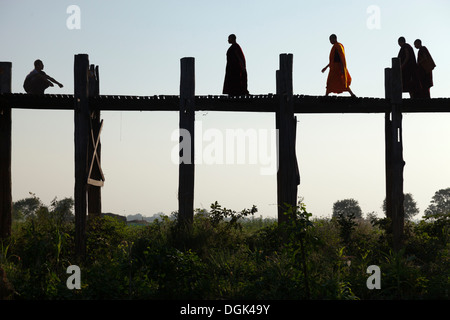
[
  {"x": 235, "y": 83},
  {"x": 425, "y": 66},
  {"x": 339, "y": 79},
  {"x": 410, "y": 79}
]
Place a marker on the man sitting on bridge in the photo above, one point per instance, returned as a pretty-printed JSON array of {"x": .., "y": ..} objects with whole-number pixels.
[{"x": 37, "y": 80}]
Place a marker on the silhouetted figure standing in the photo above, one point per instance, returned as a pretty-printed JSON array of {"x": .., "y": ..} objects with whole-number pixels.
[
  {"x": 339, "y": 78},
  {"x": 37, "y": 80},
  {"x": 235, "y": 83},
  {"x": 410, "y": 79},
  {"x": 425, "y": 66}
]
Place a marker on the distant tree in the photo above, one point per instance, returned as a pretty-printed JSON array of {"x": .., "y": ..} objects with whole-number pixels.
[
  {"x": 345, "y": 212},
  {"x": 61, "y": 210},
  {"x": 371, "y": 216},
  {"x": 347, "y": 207},
  {"x": 136, "y": 216},
  {"x": 32, "y": 207},
  {"x": 26, "y": 207},
  {"x": 409, "y": 205},
  {"x": 439, "y": 205}
]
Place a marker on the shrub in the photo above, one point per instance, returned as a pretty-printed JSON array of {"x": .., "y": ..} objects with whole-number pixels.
[{"x": 226, "y": 255}]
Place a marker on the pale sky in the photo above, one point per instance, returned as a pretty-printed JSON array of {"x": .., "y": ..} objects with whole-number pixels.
[{"x": 138, "y": 46}]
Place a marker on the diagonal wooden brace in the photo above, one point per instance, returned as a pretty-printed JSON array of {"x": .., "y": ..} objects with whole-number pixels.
[{"x": 95, "y": 142}]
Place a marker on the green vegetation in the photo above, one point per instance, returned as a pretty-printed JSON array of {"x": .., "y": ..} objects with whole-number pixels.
[{"x": 224, "y": 255}]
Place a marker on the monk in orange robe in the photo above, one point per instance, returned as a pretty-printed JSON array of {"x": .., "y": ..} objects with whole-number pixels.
[{"x": 339, "y": 79}]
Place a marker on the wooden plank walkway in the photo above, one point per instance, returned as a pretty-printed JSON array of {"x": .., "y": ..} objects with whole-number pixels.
[{"x": 252, "y": 103}]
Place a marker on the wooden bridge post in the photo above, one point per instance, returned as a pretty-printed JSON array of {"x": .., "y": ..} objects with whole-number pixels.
[
  {"x": 5, "y": 154},
  {"x": 394, "y": 153},
  {"x": 82, "y": 126},
  {"x": 94, "y": 190},
  {"x": 187, "y": 120},
  {"x": 388, "y": 142},
  {"x": 288, "y": 177}
]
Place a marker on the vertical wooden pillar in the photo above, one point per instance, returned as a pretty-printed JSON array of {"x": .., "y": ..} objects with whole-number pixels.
[
  {"x": 5, "y": 154},
  {"x": 394, "y": 154},
  {"x": 187, "y": 120},
  {"x": 288, "y": 177},
  {"x": 388, "y": 142},
  {"x": 94, "y": 190},
  {"x": 82, "y": 126}
]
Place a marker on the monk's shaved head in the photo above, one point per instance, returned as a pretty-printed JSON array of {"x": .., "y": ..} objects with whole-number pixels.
[
  {"x": 333, "y": 38},
  {"x": 232, "y": 38}
]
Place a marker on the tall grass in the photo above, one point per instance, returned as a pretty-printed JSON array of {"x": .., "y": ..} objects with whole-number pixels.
[{"x": 228, "y": 255}]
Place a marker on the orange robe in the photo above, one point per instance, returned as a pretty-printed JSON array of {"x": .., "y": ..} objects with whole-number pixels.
[{"x": 339, "y": 79}]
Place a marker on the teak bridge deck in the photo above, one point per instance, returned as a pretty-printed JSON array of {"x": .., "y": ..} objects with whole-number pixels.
[
  {"x": 87, "y": 103},
  {"x": 252, "y": 103}
]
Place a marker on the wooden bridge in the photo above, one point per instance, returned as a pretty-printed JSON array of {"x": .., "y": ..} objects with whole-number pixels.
[
  {"x": 253, "y": 103},
  {"x": 87, "y": 104}
]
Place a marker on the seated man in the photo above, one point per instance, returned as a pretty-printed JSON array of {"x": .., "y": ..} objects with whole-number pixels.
[{"x": 37, "y": 80}]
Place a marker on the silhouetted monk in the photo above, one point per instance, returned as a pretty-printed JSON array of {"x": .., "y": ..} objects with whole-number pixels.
[
  {"x": 339, "y": 79},
  {"x": 37, "y": 80},
  {"x": 425, "y": 66},
  {"x": 235, "y": 83},
  {"x": 409, "y": 68}
]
